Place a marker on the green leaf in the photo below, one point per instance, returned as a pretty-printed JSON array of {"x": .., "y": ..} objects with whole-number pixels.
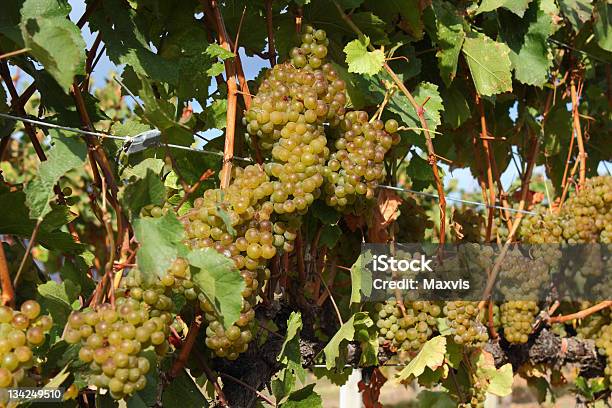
[
  {"x": 304, "y": 398},
  {"x": 431, "y": 355},
  {"x": 602, "y": 15},
  {"x": 291, "y": 358},
  {"x": 456, "y": 107},
  {"x": 400, "y": 104},
  {"x": 330, "y": 235},
  {"x": 489, "y": 64},
  {"x": 58, "y": 379},
  {"x": 361, "y": 278},
  {"x": 214, "y": 115},
  {"x": 53, "y": 39},
  {"x": 501, "y": 382},
  {"x": 558, "y": 127},
  {"x": 160, "y": 242},
  {"x": 57, "y": 298},
  {"x": 220, "y": 281},
  {"x": 182, "y": 391},
  {"x": 127, "y": 44},
  {"x": 435, "y": 399},
  {"x": 146, "y": 186},
  {"x": 449, "y": 36},
  {"x": 346, "y": 332},
  {"x": 518, "y": 7},
  {"x": 362, "y": 61},
  {"x": 217, "y": 51},
  {"x": 527, "y": 37},
  {"x": 577, "y": 12},
  {"x": 66, "y": 154}
]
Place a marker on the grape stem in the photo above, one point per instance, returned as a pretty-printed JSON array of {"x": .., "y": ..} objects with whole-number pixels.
[
  {"x": 230, "y": 78},
  {"x": 8, "y": 293},
  {"x": 487, "y": 151},
  {"x": 188, "y": 344},
  {"x": 578, "y": 131},
  {"x": 581, "y": 314}
]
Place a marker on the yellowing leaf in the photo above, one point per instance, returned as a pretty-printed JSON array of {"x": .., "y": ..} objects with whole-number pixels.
[
  {"x": 362, "y": 61},
  {"x": 489, "y": 64},
  {"x": 431, "y": 355}
]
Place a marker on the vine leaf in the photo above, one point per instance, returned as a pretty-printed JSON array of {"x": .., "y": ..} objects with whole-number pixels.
[
  {"x": 66, "y": 154},
  {"x": 527, "y": 37},
  {"x": 160, "y": 243},
  {"x": 345, "y": 333},
  {"x": 577, "y": 12},
  {"x": 304, "y": 398},
  {"x": 602, "y": 15},
  {"x": 362, "y": 61},
  {"x": 518, "y": 7},
  {"x": 431, "y": 355},
  {"x": 217, "y": 277},
  {"x": 57, "y": 298},
  {"x": 489, "y": 64},
  {"x": 499, "y": 380},
  {"x": 435, "y": 399},
  {"x": 361, "y": 277},
  {"x": 384, "y": 213},
  {"x": 53, "y": 39},
  {"x": 146, "y": 186},
  {"x": 291, "y": 358},
  {"x": 456, "y": 107},
  {"x": 183, "y": 392},
  {"x": 449, "y": 35}
]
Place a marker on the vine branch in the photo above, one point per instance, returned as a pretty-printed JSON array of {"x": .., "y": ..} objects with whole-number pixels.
[{"x": 8, "y": 293}]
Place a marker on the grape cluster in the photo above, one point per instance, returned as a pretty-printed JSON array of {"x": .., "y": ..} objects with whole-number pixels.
[
  {"x": 591, "y": 326},
  {"x": 517, "y": 317},
  {"x": 20, "y": 331},
  {"x": 113, "y": 342},
  {"x": 356, "y": 166},
  {"x": 311, "y": 54},
  {"x": 405, "y": 333},
  {"x": 465, "y": 324},
  {"x": 604, "y": 345},
  {"x": 586, "y": 217}
]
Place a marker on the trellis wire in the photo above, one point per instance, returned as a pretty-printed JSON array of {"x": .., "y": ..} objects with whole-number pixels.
[
  {"x": 174, "y": 146},
  {"x": 108, "y": 136},
  {"x": 459, "y": 200}
]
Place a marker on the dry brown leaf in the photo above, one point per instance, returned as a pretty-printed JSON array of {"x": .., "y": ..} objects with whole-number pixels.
[{"x": 385, "y": 212}]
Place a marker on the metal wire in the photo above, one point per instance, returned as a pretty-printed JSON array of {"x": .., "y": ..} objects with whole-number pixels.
[
  {"x": 108, "y": 136},
  {"x": 220, "y": 154},
  {"x": 476, "y": 203}
]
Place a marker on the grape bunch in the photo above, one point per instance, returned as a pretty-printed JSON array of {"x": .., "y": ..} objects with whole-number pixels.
[
  {"x": 465, "y": 324},
  {"x": 585, "y": 217},
  {"x": 517, "y": 317},
  {"x": 604, "y": 346},
  {"x": 405, "y": 333},
  {"x": 311, "y": 54},
  {"x": 591, "y": 326},
  {"x": 20, "y": 332},
  {"x": 113, "y": 342},
  {"x": 356, "y": 166}
]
